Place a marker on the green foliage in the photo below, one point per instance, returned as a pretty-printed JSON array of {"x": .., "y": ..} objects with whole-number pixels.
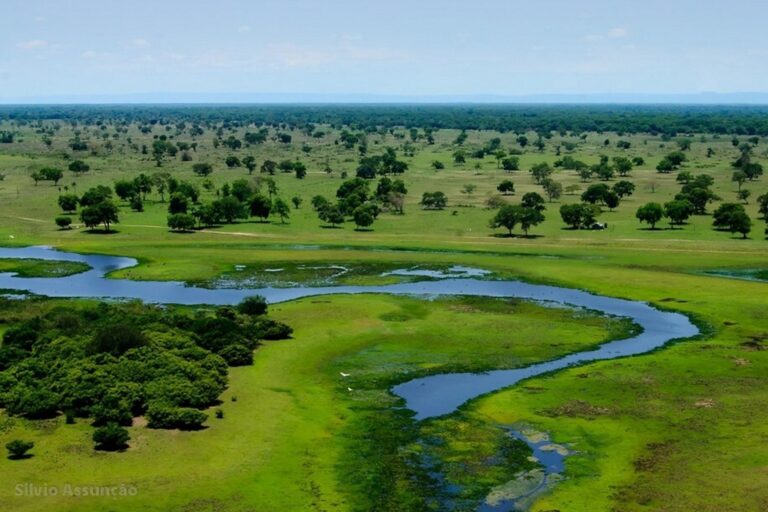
[
  {"x": 96, "y": 195},
  {"x": 623, "y": 189},
  {"x": 202, "y": 169},
  {"x": 330, "y": 213},
  {"x": 433, "y": 200},
  {"x": 111, "y": 437},
  {"x": 230, "y": 209},
  {"x": 527, "y": 214},
  {"x": 596, "y": 193},
  {"x": 260, "y": 206},
  {"x": 541, "y": 171},
  {"x": 162, "y": 415},
  {"x": 254, "y": 305},
  {"x": 281, "y": 209},
  {"x": 93, "y": 363},
  {"x": 181, "y": 222},
  {"x": 68, "y": 202},
  {"x": 63, "y": 222},
  {"x": 650, "y": 213},
  {"x": 364, "y": 215},
  {"x": 678, "y": 211},
  {"x": 18, "y": 449},
  {"x": 732, "y": 217},
  {"x": 104, "y": 213},
  {"x": 579, "y": 215},
  {"x": 79, "y": 167},
  {"x": 506, "y": 187}
]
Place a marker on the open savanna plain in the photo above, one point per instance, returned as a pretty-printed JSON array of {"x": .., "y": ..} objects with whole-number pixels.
[{"x": 678, "y": 429}]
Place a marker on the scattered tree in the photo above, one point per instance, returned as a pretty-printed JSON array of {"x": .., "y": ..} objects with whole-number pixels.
[
  {"x": 650, "y": 213},
  {"x": 18, "y": 449},
  {"x": 181, "y": 222},
  {"x": 281, "y": 209},
  {"x": 111, "y": 437},
  {"x": 506, "y": 187}
]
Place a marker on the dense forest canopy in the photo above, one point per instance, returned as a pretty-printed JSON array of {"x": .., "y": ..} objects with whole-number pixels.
[{"x": 654, "y": 119}]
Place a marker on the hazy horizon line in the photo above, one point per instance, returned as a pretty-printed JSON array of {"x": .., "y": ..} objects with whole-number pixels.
[{"x": 180, "y": 98}]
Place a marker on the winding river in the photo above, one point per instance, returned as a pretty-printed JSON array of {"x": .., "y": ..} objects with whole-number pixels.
[{"x": 428, "y": 397}]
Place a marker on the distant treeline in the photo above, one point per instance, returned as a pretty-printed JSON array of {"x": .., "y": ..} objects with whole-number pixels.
[{"x": 652, "y": 119}]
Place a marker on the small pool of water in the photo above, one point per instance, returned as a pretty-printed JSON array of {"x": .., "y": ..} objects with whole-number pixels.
[{"x": 747, "y": 274}]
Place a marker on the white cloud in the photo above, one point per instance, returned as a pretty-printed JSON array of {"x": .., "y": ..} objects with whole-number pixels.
[
  {"x": 244, "y": 29},
  {"x": 33, "y": 44},
  {"x": 618, "y": 32},
  {"x": 140, "y": 43}
]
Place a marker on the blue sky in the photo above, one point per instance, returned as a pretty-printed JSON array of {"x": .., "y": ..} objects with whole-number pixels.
[{"x": 340, "y": 47}]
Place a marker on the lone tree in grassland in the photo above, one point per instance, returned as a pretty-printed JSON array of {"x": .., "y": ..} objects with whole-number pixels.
[
  {"x": 181, "y": 222},
  {"x": 68, "y": 202},
  {"x": 678, "y": 211},
  {"x": 623, "y": 189},
  {"x": 743, "y": 195},
  {"x": 732, "y": 217},
  {"x": 260, "y": 207},
  {"x": 363, "y": 216},
  {"x": 510, "y": 216},
  {"x": 63, "y": 222},
  {"x": 104, "y": 213},
  {"x": 506, "y": 187},
  {"x": 281, "y": 209},
  {"x": 650, "y": 213},
  {"x": 202, "y": 169},
  {"x": 433, "y": 200},
  {"x": 578, "y": 215},
  {"x": 79, "y": 167},
  {"x": 552, "y": 188},
  {"x": 18, "y": 449},
  {"x": 739, "y": 177},
  {"x": 612, "y": 200},
  {"x": 330, "y": 214},
  {"x": 506, "y": 217}
]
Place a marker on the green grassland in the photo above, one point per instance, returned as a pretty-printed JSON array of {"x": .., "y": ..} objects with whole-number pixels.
[
  {"x": 680, "y": 429},
  {"x": 42, "y": 268},
  {"x": 279, "y": 444}
]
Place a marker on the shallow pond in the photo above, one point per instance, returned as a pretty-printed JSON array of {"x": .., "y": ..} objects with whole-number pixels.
[{"x": 747, "y": 274}]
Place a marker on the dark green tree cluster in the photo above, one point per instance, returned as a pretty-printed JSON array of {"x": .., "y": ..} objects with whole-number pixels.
[
  {"x": 732, "y": 217},
  {"x": 667, "y": 120},
  {"x": 97, "y": 208},
  {"x": 53, "y": 174},
  {"x": 697, "y": 191},
  {"x": 354, "y": 199},
  {"x": 579, "y": 215},
  {"x": 90, "y": 362},
  {"x": 384, "y": 164},
  {"x": 527, "y": 214}
]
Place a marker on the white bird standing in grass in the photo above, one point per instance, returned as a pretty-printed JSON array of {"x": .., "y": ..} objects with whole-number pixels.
[
  {"x": 349, "y": 389},
  {"x": 345, "y": 374}
]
